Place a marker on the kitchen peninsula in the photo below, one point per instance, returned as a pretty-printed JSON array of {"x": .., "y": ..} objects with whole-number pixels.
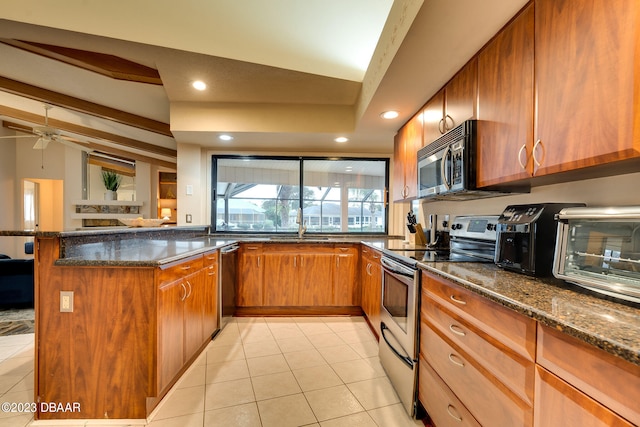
[{"x": 134, "y": 327}]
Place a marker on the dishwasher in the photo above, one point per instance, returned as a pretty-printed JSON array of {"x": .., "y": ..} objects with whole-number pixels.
[{"x": 227, "y": 284}]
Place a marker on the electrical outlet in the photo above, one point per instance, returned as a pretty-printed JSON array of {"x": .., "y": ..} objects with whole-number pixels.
[
  {"x": 189, "y": 190},
  {"x": 66, "y": 301},
  {"x": 189, "y": 218}
]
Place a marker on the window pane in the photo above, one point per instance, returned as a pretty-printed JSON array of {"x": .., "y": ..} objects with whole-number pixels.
[
  {"x": 332, "y": 186},
  {"x": 257, "y": 195}
]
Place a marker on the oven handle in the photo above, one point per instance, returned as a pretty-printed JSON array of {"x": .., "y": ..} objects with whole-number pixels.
[
  {"x": 406, "y": 359},
  {"x": 396, "y": 268}
]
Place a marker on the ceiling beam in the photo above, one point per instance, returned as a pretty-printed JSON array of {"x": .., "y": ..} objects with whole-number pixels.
[
  {"x": 107, "y": 65},
  {"x": 80, "y": 105},
  {"x": 88, "y": 132},
  {"x": 102, "y": 148}
]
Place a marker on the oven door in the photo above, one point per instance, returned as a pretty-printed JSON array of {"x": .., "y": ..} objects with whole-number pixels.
[
  {"x": 398, "y": 347},
  {"x": 434, "y": 173}
]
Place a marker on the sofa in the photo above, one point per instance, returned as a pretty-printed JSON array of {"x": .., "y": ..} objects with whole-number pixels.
[{"x": 16, "y": 283}]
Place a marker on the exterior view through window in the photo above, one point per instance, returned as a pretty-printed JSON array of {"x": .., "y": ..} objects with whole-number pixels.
[{"x": 263, "y": 195}]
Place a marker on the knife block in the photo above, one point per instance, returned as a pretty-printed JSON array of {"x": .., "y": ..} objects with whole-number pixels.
[{"x": 420, "y": 237}]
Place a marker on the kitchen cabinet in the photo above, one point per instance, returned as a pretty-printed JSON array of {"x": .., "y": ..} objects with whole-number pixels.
[
  {"x": 586, "y": 69},
  {"x": 371, "y": 278},
  {"x": 210, "y": 278},
  {"x": 346, "y": 284},
  {"x": 251, "y": 271},
  {"x": 591, "y": 384},
  {"x": 406, "y": 144},
  {"x": 170, "y": 332},
  {"x": 453, "y": 104},
  {"x": 484, "y": 355},
  {"x": 315, "y": 274},
  {"x": 505, "y": 103}
]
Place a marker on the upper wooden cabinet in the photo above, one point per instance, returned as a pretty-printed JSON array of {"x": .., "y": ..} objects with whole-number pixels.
[
  {"x": 587, "y": 72},
  {"x": 505, "y": 103},
  {"x": 405, "y": 164},
  {"x": 453, "y": 104}
]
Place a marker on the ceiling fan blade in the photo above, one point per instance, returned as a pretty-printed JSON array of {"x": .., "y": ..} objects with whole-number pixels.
[
  {"x": 19, "y": 136},
  {"x": 71, "y": 139},
  {"x": 24, "y": 129},
  {"x": 73, "y": 144}
]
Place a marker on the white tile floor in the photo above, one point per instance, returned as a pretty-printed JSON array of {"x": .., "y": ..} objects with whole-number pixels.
[{"x": 321, "y": 371}]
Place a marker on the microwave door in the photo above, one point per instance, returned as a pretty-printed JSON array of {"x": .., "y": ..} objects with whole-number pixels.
[{"x": 430, "y": 175}]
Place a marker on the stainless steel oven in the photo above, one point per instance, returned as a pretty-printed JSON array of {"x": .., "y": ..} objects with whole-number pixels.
[{"x": 398, "y": 349}]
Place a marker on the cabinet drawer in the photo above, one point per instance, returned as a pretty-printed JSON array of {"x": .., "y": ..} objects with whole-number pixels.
[
  {"x": 210, "y": 258},
  {"x": 371, "y": 254},
  {"x": 512, "y": 329},
  {"x": 484, "y": 396},
  {"x": 513, "y": 370},
  {"x": 557, "y": 400},
  {"x": 608, "y": 379},
  {"x": 441, "y": 404},
  {"x": 179, "y": 269}
]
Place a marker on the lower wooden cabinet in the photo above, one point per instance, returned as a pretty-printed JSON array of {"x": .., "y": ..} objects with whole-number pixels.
[
  {"x": 210, "y": 278},
  {"x": 251, "y": 276},
  {"x": 346, "y": 283},
  {"x": 558, "y": 403},
  {"x": 170, "y": 315},
  {"x": 371, "y": 282}
]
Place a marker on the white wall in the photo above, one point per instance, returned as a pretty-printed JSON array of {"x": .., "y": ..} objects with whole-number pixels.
[{"x": 192, "y": 173}]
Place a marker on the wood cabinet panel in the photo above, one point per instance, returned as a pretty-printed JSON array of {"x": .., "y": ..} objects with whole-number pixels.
[
  {"x": 586, "y": 70},
  {"x": 514, "y": 330},
  {"x": 170, "y": 353},
  {"x": 507, "y": 366},
  {"x": 280, "y": 279},
  {"x": 461, "y": 95},
  {"x": 371, "y": 277},
  {"x": 405, "y": 173},
  {"x": 557, "y": 400},
  {"x": 193, "y": 303},
  {"x": 505, "y": 103},
  {"x": 178, "y": 269},
  {"x": 346, "y": 291},
  {"x": 608, "y": 379},
  {"x": 251, "y": 276},
  {"x": 210, "y": 315},
  {"x": 433, "y": 113},
  {"x": 484, "y": 396},
  {"x": 314, "y": 281},
  {"x": 441, "y": 404}
]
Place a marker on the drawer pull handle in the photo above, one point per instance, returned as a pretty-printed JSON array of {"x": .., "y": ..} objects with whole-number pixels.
[
  {"x": 455, "y": 362},
  {"x": 455, "y": 416},
  {"x": 186, "y": 267},
  {"x": 457, "y": 330},
  {"x": 457, "y": 301}
]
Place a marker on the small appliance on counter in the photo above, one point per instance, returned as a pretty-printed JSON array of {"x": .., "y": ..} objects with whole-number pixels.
[
  {"x": 526, "y": 237},
  {"x": 599, "y": 249}
]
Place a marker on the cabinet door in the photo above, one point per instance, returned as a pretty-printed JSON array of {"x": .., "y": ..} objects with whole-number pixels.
[
  {"x": 433, "y": 115},
  {"x": 170, "y": 331},
  {"x": 557, "y": 400},
  {"x": 281, "y": 274},
  {"x": 586, "y": 66},
  {"x": 193, "y": 314},
  {"x": 406, "y": 145},
  {"x": 399, "y": 187},
  {"x": 210, "y": 311},
  {"x": 251, "y": 272},
  {"x": 372, "y": 293},
  {"x": 347, "y": 286},
  {"x": 315, "y": 284},
  {"x": 505, "y": 104},
  {"x": 461, "y": 95}
]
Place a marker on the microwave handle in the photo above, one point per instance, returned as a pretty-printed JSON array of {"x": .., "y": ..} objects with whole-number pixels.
[{"x": 443, "y": 168}]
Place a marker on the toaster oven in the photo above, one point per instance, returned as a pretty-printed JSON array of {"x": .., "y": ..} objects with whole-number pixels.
[{"x": 599, "y": 249}]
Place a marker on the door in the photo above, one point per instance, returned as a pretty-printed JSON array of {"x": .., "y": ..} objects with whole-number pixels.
[
  {"x": 315, "y": 285},
  {"x": 505, "y": 104},
  {"x": 281, "y": 274},
  {"x": 193, "y": 314},
  {"x": 251, "y": 272},
  {"x": 170, "y": 331},
  {"x": 347, "y": 286}
]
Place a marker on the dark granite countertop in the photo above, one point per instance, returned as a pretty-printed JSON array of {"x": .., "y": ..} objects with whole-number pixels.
[{"x": 603, "y": 322}]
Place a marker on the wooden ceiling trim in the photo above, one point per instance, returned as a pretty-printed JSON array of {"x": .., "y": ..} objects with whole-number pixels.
[
  {"x": 80, "y": 105},
  {"x": 88, "y": 132},
  {"x": 99, "y": 147},
  {"x": 104, "y": 64}
]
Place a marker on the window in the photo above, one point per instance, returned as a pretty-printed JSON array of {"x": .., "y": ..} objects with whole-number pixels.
[{"x": 263, "y": 194}]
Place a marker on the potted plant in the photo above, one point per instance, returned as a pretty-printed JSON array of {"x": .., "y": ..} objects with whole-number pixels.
[{"x": 111, "y": 182}]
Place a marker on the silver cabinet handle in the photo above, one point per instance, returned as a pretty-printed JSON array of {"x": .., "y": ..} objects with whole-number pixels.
[
  {"x": 533, "y": 152},
  {"x": 441, "y": 126},
  {"x": 457, "y": 301},
  {"x": 455, "y": 417},
  {"x": 453, "y": 123},
  {"x": 258, "y": 262},
  {"x": 451, "y": 356},
  {"x": 190, "y": 289},
  {"x": 211, "y": 271},
  {"x": 184, "y": 296},
  {"x": 369, "y": 269},
  {"x": 457, "y": 330},
  {"x": 186, "y": 267},
  {"x": 295, "y": 261},
  {"x": 522, "y": 165}
]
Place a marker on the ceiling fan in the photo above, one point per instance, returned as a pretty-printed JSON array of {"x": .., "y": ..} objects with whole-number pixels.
[{"x": 46, "y": 134}]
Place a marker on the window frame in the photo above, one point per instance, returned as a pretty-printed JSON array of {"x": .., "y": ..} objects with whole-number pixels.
[{"x": 301, "y": 160}]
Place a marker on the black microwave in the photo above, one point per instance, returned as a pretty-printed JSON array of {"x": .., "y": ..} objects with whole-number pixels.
[{"x": 447, "y": 166}]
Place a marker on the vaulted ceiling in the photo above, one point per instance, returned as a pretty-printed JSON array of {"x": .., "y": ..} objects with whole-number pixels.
[{"x": 282, "y": 75}]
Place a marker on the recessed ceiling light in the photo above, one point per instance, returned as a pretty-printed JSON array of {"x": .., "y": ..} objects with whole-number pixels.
[
  {"x": 225, "y": 137},
  {"x": 391, "y": 114},
  {"x": 199, "y": 85},
  {"x": 341, "y": 139}
]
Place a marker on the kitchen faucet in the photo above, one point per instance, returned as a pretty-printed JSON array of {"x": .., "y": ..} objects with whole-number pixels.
[{"x": 302, "y": 226}]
